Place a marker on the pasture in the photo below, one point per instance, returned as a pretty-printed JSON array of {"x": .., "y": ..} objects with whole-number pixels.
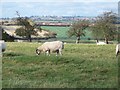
[
  {"x": 62, "y": 33},
  {"x": 81, "y": 66}
]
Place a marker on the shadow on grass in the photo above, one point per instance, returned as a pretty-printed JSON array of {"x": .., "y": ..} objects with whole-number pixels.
[{"x": 12, "y": 54}]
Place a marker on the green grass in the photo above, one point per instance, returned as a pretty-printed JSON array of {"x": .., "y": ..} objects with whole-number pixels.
[
  {"x": 81, "y": 66},
  {"x": 62, "y": 32}
]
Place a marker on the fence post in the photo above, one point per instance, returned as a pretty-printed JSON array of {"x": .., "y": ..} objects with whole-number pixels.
[{"x": 0, "y": 33}]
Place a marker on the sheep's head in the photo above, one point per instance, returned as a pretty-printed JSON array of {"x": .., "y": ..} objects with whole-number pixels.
[
  {"x": 2, "y": 45},
  {"x": 38, "y": 51}
]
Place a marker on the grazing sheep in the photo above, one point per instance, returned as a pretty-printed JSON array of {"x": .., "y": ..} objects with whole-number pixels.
[
  {"x": 100, "y": 43},
  {"x": 117, "y": 49},
  {"x": 48, "y": 47},
  {"x": 3, "y": 45}
]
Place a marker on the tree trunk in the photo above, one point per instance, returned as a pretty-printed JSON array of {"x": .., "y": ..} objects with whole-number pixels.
[
  {"x": 29, "y": 38},
  {"x": 78, "y": 40},
  {"x": 118, "y": 35},
  {"x": 119, "y": 38},
  {"x": 1, "y": 30},
  {"x": 97, "y": 40},
  {"x": 106, "y": 41}
]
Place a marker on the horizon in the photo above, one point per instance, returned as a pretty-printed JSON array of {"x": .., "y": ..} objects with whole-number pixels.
[
  {"x": 89, "y": 9},
  {"x": 51, "y": 16}
]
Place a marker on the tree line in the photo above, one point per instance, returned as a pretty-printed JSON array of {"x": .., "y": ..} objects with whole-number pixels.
[{"x": 104, "y": 26}]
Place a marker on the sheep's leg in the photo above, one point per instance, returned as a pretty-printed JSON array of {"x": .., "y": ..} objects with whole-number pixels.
[
  {"x": 60, "y": 52},
  {"x": 48, "y": 52},
  {"x": 57, "y": 52},
  {"x": 117, "y": 53}
]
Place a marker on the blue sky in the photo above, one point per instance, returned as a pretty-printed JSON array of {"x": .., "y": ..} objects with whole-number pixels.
[{"x": 59, "y": 8}]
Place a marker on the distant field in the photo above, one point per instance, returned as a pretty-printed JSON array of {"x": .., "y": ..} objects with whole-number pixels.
[
  {"x": 62, "y": 32},
  {"x": 81, "y": 66}
]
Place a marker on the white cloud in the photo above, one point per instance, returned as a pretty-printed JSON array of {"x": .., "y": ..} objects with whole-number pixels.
[{"x": 58, "y": 8}]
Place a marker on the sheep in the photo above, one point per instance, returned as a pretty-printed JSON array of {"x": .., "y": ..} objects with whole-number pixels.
[
  {"x": 3, "y": 45},
  {"x": 100, "y": 43},
  {"x": 117, "y": 49},
  {"x": 48, "y": 47}
]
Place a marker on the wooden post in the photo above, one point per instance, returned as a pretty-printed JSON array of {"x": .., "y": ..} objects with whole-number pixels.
[
  {"x": 118, "y": 19},
  {"x": 0, "y": 33},
  {"x": 0, "y": 66}
]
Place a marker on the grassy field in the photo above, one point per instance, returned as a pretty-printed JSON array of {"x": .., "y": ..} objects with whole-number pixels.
[
  {"x": 81, "y": 66},
  {"x": 62, "y": 32}
]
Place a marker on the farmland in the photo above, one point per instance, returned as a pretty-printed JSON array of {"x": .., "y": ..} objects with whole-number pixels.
[
  {"x": 81, "y": 66},
  {"x": 62, "y": 33}
]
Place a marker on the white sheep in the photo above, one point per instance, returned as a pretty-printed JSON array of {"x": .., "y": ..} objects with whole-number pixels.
[
  {"x": 100, "y": 43},
  {"x": 3, "y": 45},
  {"x": 117, "y": 49},
  {"x": 48, "y": 47}
]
